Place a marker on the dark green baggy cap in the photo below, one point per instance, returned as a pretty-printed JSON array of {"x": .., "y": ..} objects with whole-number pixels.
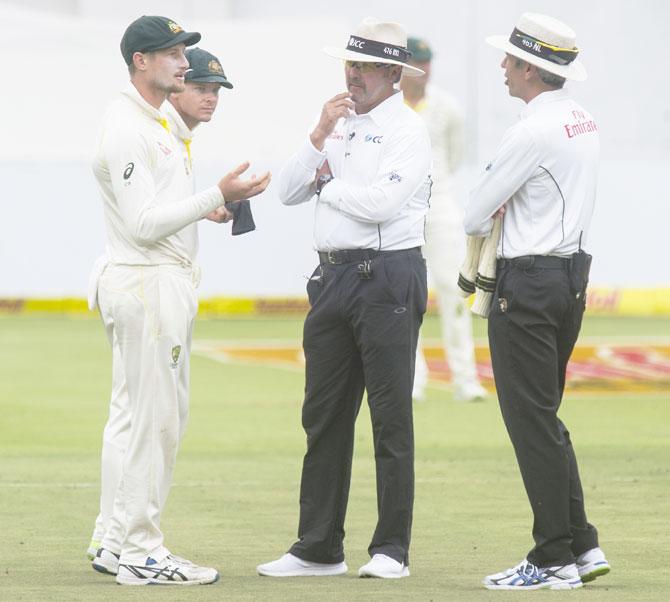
[
  {"x": 150, "y": 33},
  {"x": 205, "y": 67}
]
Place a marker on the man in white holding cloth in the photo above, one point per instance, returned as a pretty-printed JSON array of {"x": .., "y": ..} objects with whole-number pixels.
[
  {"x": 185, "y": 111},
  {"x": 147, "y": 294},
  {"x": 366, "y": 165},
  {"x": 542, "y": 180}
]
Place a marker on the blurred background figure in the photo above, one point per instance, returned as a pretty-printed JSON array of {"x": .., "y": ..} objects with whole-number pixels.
[{"x": 444, "y": 231}]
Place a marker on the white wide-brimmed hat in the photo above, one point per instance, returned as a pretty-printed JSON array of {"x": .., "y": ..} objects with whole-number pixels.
[
  {"x": 377, "y": 42},
  {"x": 544, "y": 42}
]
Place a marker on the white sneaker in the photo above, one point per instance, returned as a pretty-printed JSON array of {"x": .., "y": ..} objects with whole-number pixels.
[
  {"x": 527, "y": 576},
  {"x": 592, "y": 564},
  {"x": 106, "y": 562},
  {"x": 384, "y": 567},
  {"x": 292, "y": 566},
  {"x": 92, "y": 549},
  {"x": 470, "y": 392},
  {"x": 172, "y": 570}
]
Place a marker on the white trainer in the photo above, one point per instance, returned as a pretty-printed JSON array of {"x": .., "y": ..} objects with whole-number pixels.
[
  {"x": 292, "y": 566},
  {"x": 106, "y": 562},
  {"x": 383, "y": 567},
  {"x": 592, "y": 564},
  {"x": 172, "y": 570},
  {"x": 92, "y": 549},
  {"x": 527, "y": 576}
]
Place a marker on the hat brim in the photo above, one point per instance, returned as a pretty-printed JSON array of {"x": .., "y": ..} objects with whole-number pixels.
[
  {"x": 359, "y": 57},
  {"x": 574, "y": 71},
  {"x": 210, "y": 79},
  {"x": 188, "y": 38}
]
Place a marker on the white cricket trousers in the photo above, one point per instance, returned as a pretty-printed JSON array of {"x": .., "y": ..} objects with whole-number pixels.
[
  {"x": 148, "y": 313},
  {"x": 444, "y": 251}
]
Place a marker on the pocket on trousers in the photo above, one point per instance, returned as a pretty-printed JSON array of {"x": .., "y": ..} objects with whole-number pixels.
[
  {"x": 503, "y": 297},
  {"x": 315, "y": 285},
  {"x": 397, "y": 274},
  {"x": 421, "y": 277},
  {"x": 120, "y": 280}
]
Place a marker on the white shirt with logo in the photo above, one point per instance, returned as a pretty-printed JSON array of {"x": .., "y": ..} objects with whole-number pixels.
[
  {"x": 545, "y": 172},
  {"x": 380, "y": 193},
  {"x": 184, "y": 137},
  {"x": 150, "y": 209}
]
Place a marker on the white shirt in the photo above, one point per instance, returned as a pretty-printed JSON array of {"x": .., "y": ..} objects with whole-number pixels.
[
  {"x": 150, "y": 210},
  {"x": 444, "y": 121},
  {"x": 184, "y": 137},
  {"x": 379, "y": 196},
  {"x": 547, "y": 166}
]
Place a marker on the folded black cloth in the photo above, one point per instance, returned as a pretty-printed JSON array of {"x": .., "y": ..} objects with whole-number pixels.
[{"x": 243, "y": 220}]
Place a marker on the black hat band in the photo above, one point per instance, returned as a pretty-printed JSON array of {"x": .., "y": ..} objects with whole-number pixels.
[
  {"x": 378, "y": 49},
  {"x": 553, "y": 54}
]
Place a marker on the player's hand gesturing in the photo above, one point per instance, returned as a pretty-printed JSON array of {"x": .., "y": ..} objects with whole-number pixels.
[
  {"x": 234, "y": 188},
  {"x": 336, "y": 108}
]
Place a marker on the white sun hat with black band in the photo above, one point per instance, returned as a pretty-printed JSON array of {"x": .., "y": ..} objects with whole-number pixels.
[
  {"x": 377, "y": 42},
  {"x": 544, "y": 42}
]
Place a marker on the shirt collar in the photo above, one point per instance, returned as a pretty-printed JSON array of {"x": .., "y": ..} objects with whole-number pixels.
[
  {"x": 386, "y": 110},
  {"x": 544, "y": 98},
  {"x": 179, "y": 128},
  {"x": 132, "y": 93}
]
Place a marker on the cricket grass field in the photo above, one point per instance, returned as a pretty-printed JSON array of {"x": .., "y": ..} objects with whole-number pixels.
[{"x": 234, "y": 502}]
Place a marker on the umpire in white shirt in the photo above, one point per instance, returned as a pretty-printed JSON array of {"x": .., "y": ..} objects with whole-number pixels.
[
  {"x": 543, "y": 180},
  {"x": 366, "y": 164}
]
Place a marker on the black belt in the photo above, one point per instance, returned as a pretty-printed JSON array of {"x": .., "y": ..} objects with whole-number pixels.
[
  {"x": 353, "y": 255},
  {"x": 546, "y": 262}
]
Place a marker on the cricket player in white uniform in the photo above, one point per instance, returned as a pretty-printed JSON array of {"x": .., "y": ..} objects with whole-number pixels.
[
  {"x": 444, "y": 232},
  {"x": 146, "y": 293},
  {"x": 196, "y": 104}
]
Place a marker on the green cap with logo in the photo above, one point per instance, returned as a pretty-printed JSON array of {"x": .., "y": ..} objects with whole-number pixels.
[
  {"x": 421, "y": 52},
  {"x": 205, "y": 67},
  {"x": 149, "y": 33}
]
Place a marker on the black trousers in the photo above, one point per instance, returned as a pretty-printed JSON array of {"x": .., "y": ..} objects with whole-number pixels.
[
  {"x": 533, "y": 326},
  {"x": 360, "y": 334}
]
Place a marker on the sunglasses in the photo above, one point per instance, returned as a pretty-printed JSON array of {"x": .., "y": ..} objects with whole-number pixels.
[{"x": 364, "y": 67}]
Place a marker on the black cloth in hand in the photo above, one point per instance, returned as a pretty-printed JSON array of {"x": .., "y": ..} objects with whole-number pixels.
[{"x": 243, "y": 220}]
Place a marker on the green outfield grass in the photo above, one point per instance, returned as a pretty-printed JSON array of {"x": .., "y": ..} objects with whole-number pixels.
[{"x": 235, "y": 498}]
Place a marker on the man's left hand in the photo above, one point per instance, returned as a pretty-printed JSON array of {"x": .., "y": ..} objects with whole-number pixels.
[{"x": 221, "y": 215}]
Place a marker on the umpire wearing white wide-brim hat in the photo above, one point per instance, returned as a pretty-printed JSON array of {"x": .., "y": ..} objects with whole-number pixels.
[
  {"x": 545, "y": 175},
  {"x": 366, "y": 166},
  {"x": 377, "y": 42},
  {"x": 544, "y": 42}
]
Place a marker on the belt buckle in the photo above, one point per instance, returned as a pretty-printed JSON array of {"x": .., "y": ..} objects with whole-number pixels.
[{"x": 332, "y": 257}]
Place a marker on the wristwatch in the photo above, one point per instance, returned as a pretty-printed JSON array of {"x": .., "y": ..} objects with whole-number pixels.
[{"x": 321, "y": 181}]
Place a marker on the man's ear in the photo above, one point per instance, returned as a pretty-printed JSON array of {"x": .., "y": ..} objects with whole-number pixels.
[
  {"x": 140, "y": 61},
  {"x": 396, "y": 73}
]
